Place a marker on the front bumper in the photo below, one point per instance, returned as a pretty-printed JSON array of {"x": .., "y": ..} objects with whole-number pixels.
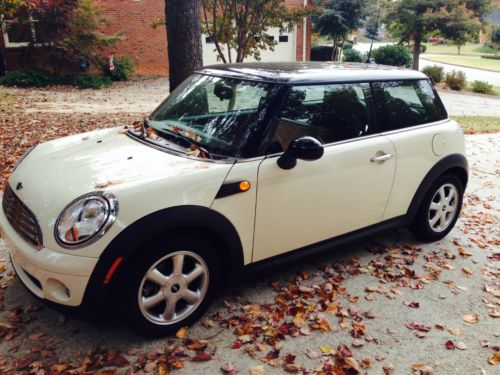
[{"x": 54, "y": 276}]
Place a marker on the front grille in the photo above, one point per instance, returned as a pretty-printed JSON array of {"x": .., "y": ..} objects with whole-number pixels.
[{"x": 21, "y": 218}]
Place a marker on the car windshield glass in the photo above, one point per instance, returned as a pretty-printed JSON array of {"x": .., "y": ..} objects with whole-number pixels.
[{"x": 220, "y": 115}]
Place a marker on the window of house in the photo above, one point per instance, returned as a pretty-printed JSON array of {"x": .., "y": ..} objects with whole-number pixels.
[
  {"x": 208, "y": 40},
  {"x": 28, "y": 29},
  {"x": 400, "y": 104},
  {"x": 283, "y": 38},
  {"x": 330, "y": 113},
  {"x": 18, "y": 34}
]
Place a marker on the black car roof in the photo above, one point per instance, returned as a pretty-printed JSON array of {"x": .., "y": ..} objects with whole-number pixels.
[{"x": 311, "y": 72}]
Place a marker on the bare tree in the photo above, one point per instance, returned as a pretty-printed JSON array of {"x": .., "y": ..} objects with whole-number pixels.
[{"x": 184, "y": 39}]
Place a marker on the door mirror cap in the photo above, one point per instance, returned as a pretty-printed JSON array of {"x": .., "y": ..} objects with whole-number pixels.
[{"x": 304, "y": 148}]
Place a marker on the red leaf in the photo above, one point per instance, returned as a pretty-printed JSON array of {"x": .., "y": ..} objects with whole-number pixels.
[
  {"x": 202, "y": 357},
  {"x": 236, "y": 345},
  {"x": 450, "y": 345}
]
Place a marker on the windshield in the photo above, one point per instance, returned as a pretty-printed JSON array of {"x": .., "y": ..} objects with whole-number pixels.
[{"x": 213, "y": 116}]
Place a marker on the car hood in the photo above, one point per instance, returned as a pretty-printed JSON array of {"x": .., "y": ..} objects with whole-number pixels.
[{"x": 143, "y": 178}]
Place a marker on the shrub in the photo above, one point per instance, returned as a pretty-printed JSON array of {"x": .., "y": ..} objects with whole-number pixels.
[
  {"x": 90, "y": 81},
  {"x": 124, "y": 68},
  {"x": 395, "y": 55},
  {"x": 482, "y": 87},
  {"x": 492, "y": 57},
  {"x": 455, "y": 80},
  {"x": 321, "y": 53},
  {"x": 351, "y": 55},
  {"x": 435, "y": 73},
  {"x": 33, "y": 78},
  {"x": 347, "y": 46},
  {"x": 423, "y": 48}
]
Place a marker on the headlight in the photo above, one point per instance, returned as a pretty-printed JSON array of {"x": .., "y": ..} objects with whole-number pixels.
[{"x": 86, "y": 219}]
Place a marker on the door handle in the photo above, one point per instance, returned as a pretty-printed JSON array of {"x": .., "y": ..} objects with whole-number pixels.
[{"x": 380, "y": 158}]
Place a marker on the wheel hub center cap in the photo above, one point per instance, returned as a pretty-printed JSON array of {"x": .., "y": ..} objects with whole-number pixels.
[{"x": 175, "y": 288}]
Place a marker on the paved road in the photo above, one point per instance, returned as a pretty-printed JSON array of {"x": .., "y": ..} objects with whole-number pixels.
[
  {"x": 458, "y": 104},
  {"x": 374, "y": 294},
  {"x": 470, "y": 73}
]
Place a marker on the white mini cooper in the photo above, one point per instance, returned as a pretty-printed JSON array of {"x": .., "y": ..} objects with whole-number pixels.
[{"x": 241, "y": 164}]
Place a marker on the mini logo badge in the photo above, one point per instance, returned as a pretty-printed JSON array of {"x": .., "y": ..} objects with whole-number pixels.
[{"x": 19, "y": 186}]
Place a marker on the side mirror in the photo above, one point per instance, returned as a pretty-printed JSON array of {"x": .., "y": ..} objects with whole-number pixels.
[{"x": 304, "y": 148}]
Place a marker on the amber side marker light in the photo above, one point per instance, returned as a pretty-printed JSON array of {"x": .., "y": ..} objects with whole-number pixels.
[
  {"x": 112, "y": 270},
  {"x": 245, "y": 185}
]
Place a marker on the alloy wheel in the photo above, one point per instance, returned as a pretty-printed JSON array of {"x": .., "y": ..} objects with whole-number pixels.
[
  {"x": 443, "y": 208},
  {"x": 173, "y": 287}
]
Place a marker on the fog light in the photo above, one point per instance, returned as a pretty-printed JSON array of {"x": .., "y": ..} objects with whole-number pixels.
[{"x": 57, "y": 290}]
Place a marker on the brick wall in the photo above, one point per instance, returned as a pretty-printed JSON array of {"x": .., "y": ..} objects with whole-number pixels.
[
  {"x": 132, "y": 20},
  {"x": 148, "y": 47}
]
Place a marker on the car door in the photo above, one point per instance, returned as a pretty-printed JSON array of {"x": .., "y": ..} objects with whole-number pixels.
[
  {"x": 412, "y": 117},
  {"x": 345, "y": 190}
]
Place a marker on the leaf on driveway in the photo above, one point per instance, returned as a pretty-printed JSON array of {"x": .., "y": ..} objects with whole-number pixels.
[
  {"x": 418, "y": 326},
  {"x": 182, "y": 333},
  {"x": 494, "y": 359},
  {"x": 470, "y": 318}
]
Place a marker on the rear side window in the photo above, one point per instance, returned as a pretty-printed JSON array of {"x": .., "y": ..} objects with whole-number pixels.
[
  {"x": 330, "y": 113},
  {"x": 400, "y": 104}
]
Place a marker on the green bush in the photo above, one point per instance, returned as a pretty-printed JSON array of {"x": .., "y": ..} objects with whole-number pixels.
[
  {"x": 435, "y": 73},
  {"x": 351, "y": 55},
  {"x": 321, "y": 53},
  {"x": 423, "y": 48},
  {"x": 492, "y": 57},
  {"x": 33, "y": 78},
  {"x": 455, "y": 80},
  {"x": 90, "y": 81},
  {"x": 347, "y": 46},
  {"x": 395, "y": 55},
  {"x": 482, "y": 87},
  {"x": 124, "y": 68}
]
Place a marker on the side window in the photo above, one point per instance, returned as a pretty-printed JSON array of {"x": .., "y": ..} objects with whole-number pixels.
[
  {"x": 330, "y": 113},
  {"x": 400, "y": 104}
]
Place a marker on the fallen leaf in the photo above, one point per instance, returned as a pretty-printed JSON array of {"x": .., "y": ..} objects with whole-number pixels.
[
  {"x": 257, "y": 370},
  {"x": 418, "y": 326},
  {"x": 201, "y": 357},
  {"x": 455, "y": 331},
  {"x": 494, "y": 359},
  {"x": 461, "y": 345},
  {"x": 420, "y": 369},
  {"x": 470, "y": 318},
  {"x": 182, "y": 333},
  {"x": 450, "y": 345}
]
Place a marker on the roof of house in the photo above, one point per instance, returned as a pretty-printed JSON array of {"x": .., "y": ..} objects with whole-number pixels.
[{"x": 311, "y": 72}]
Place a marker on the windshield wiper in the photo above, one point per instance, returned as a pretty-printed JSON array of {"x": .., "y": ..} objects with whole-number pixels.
[{"x": 190, "y": 140}]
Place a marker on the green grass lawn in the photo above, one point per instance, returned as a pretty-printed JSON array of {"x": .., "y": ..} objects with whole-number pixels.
[
  {"x": 479, "y": 124},
  {"x": 468, "y": 49},
  {"x": 467, "y": 61}
]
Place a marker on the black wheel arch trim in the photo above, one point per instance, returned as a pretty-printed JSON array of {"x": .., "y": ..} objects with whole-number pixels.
[
  {"x": 130, "y": 240},
  {"x": 446, "y": 164}
]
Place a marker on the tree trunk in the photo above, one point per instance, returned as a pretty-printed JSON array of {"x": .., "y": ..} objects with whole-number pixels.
[
  {"x": 3, "y": 68},
  {"x": 184, "y": 39},
  {"x": 416, "y": 51}
]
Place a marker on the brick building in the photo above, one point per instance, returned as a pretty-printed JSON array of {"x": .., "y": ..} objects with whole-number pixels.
[{"x": 132, "y": 19}]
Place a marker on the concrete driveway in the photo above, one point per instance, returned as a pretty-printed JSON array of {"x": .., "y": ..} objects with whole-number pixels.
[{"x": 394, "y": 304}]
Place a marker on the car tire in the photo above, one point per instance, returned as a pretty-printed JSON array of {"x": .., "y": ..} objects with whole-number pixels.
[
  {"x": 170, "y": 286},
  {"x": 439, "y": 210}
]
